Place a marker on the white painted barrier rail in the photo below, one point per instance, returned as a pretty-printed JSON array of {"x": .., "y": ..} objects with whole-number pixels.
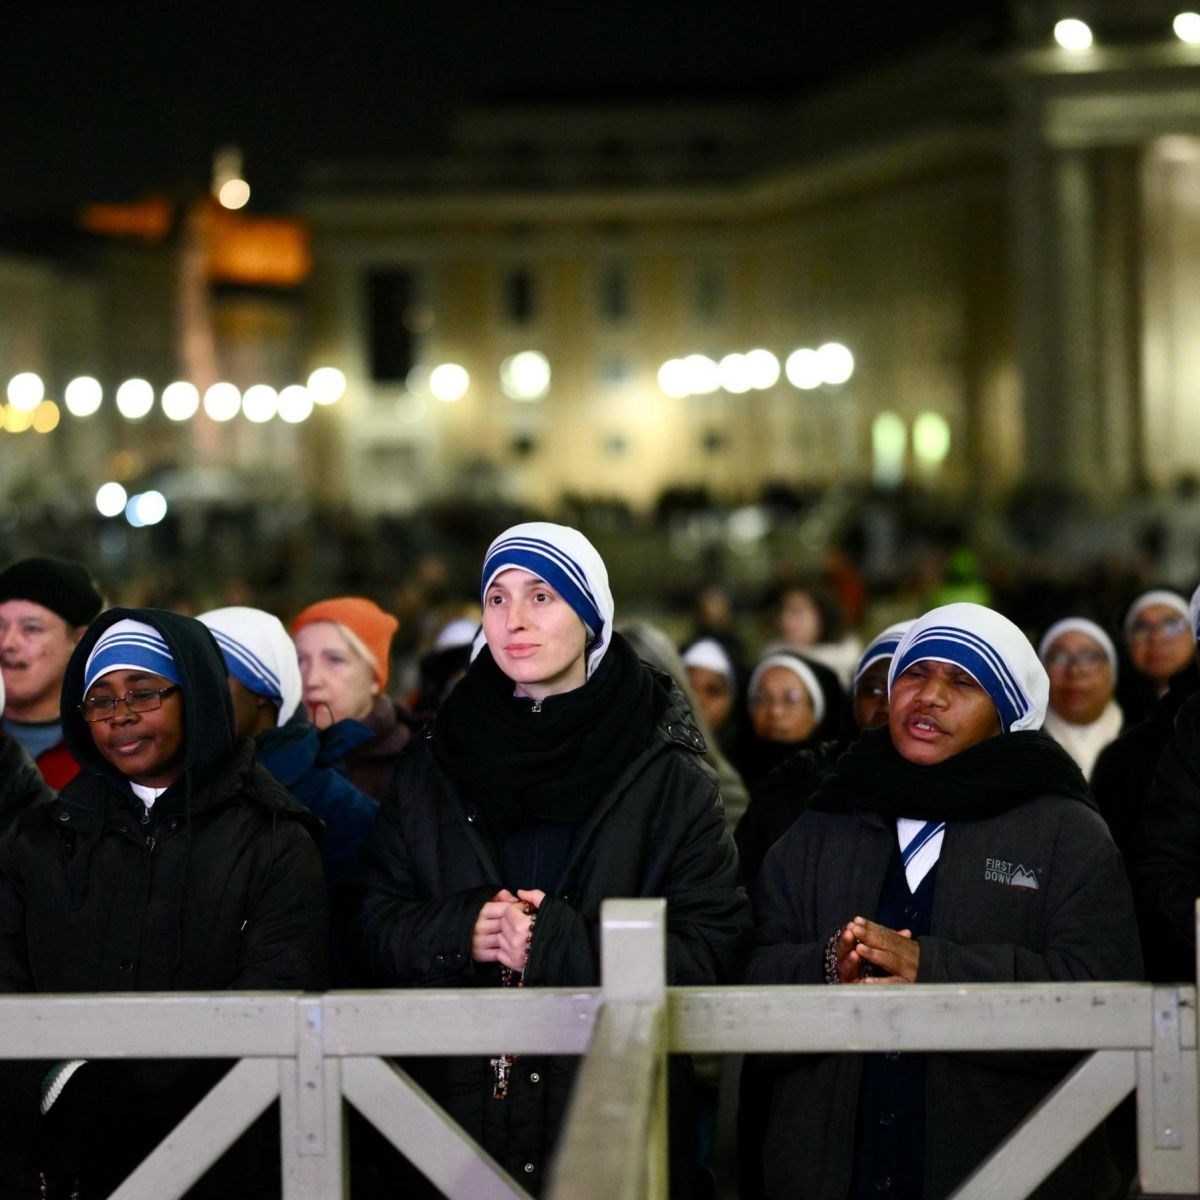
[{"x": 312, "y": 1052}]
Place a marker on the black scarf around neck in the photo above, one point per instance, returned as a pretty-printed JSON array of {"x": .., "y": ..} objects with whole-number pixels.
[
  {"x": 524, "y": 766},
  {"x": 984, "y": 780}
]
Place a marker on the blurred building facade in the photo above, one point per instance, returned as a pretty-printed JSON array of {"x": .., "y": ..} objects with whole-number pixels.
[{"x": 1004, "y": 233}]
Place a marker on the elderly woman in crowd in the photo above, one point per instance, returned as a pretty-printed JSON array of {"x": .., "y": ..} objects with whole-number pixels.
[
  {"x": 1160, "y": 641},
  {"x": 560, "y": 771},
  {"x": 344, "y": 647},
  {"x": 1081, "y": 661},
  {"x": 793, "y": 701},
  {"x": 958, "y": 845}
]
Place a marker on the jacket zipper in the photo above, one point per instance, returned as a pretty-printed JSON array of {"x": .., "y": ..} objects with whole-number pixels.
[{"x": 537, "y": 706}]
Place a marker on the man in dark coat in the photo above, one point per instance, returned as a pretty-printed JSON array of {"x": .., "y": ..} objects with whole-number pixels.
[{"x": 172, "y": 862}]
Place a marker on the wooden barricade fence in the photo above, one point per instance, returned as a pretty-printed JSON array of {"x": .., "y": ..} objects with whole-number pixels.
[{"x": 313, "y": 1052}]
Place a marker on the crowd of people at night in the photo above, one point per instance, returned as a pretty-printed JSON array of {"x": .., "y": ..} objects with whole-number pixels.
[{"x": 240, "y": 799}]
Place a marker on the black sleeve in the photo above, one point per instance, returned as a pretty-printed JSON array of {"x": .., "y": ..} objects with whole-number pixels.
[{"x": 1166, "y": 850}]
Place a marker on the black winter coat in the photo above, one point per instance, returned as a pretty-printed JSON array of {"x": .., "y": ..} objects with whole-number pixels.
[
  {"x": 1165, "y": 856},
  {"x": 1076, "y": 923},
  {"x": 218, "y": 886},
  {"x": 430, "y": 866},
  {"x": 21, "y": 783}
]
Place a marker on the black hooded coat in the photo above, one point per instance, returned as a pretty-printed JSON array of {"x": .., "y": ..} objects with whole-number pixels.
[{"x": 217, "y": 887}]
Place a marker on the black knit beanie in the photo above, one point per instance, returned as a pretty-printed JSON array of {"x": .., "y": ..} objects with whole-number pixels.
[{"x": 62, "y": 586}]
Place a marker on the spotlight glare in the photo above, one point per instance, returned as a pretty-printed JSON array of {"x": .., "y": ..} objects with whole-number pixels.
[
  {"x": 1187, "y": 27},
  {"x": 763, "y": 369},
  {"x": 26, "y": 391},
  {"x": 449, "y": 382},
  {"x": 135, "y": 398},
  {"x": 525, "y": 376},
  {"x": 672, "y": 378},
  {"x": 222, "y": 401},
  {"x": 146, "y": 508},
  {"x": 83, "y": 396},
  {"x": 735, "y": 374},
  {"x": 260, "y": 403},
  {"x": 234, "y": 194},
  {"x": 1073, "y": 34},
  {"x": 702, "y": 374},
  {"x": 180, "y": 400},
  {"x": 803, "y": 369},
  {"x": 836, "y": 362},
  {"x": 326, "y": 385},
  {"x": 295, "y": 404},
  {"x": 111, "y": 499}
]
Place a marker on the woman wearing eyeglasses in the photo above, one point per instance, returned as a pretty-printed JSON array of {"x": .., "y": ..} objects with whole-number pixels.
[
  {"x": 172, "y": 862},
  {"x": 793, "y": 701},
  {"x": 1159, "y": 637},
  {"x": 1081, "y": 661}
]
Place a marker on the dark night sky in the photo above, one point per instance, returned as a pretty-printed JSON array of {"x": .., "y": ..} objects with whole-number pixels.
[{"x": 109, "y": 101}]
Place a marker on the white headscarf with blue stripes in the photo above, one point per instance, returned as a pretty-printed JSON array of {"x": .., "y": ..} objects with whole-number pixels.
[
  {"x": 991, "y": 649},
  {"x": 569, "y": 563},
  {"x": 259, "y": 654},
  {"x": 129, "y": 645}
]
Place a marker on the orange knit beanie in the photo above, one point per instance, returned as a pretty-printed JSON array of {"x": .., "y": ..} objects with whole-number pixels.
[{"x": 373, "y": 627}]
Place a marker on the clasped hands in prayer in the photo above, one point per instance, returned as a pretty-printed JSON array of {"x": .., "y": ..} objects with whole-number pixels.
[
  {"x": 503, "y": 927},
  {"x": 871, "y": 953}
]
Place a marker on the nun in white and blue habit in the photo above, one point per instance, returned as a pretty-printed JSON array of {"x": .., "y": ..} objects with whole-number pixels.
[
  {"x": 554, "y": 805},
  {"x": 991, "y": 865}
]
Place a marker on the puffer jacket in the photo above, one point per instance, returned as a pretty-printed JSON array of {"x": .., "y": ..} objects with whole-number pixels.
[
  {"x": 430, "y": 867},
  {"x": 218, "y": 886}
]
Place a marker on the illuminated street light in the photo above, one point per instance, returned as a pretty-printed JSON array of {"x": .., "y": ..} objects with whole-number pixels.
[
  {"x": 260, "y": 403},
  {"x": 326, "y": 385},
  {"x": 146, "y": 508},
  {"x": 1073, "y": 34},
  {"x": 734, "y": 374},
  {"x": 702, "y": 374},
  {"x": 525, "y": 376},
  {"x": 111, "y": 499},
  {"x": 803, "y": 369},
  {"x": 672, "y": 378},
  {"x": 295, "y": 404},
  {"x": 26, "y": 391},
  {"x": 45, "y": 417},
  {"x": 837, "y": 363},
  {"x": 234, "y": 194},
  {"x": 931, "y": 438},
  {"x": 180, "y": 400},
  {"x": 83, "y": 396},
  {"x": 135, "y": 398},
  {"x": 763, "y": 368},
  {"x": 222, "y": 401},
  {"x": 449, "y": 382},
  {"x": 1187, "y": 27}
]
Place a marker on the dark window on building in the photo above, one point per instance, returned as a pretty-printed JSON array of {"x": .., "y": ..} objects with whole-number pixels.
[
  {"x": 614, "y": 299},
  {"x": 392, "y": 344},
  {"x": 520, "y": 296}
]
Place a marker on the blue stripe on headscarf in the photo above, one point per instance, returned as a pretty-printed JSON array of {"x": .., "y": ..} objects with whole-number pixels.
[
  {"x": 559, "y": 570},
  {"x": 978, "y": 658},
  {"x": 248, "y": 668},
  {"x": 130, "y": 649}
]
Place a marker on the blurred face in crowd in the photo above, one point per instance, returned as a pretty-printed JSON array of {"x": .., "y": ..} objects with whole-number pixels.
[
  {"x": 35, "y": 646},
  {"x": 252, "y": 714},
  {"x": 1081, "y": 677},
  {"x": 799, "y": 618},
  {"x": 1160, "y": 643},
  {"x": 938, "y": 710},
  {"x": 715, "y": 694},
  {"x": 147, "y": 747},
  {"x": 535, "y": 636},
  {"x": 338, "y": 681},
  {"x": 781, "y": 708},
  {"x": 871, "y": 696}
]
